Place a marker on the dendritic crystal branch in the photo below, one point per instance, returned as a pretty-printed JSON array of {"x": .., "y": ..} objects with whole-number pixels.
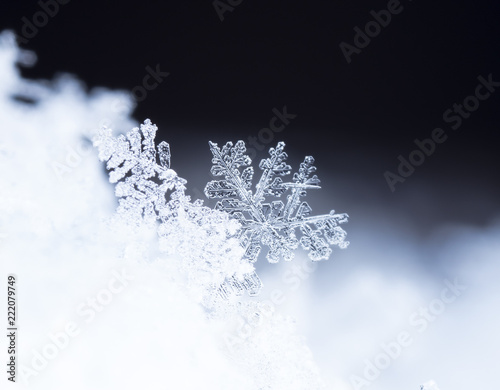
[{"x": 132, "y": 162}]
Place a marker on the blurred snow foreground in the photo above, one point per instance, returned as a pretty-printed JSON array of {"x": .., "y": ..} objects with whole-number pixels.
[
  {"x": 431, "y": 385},
  {"x": 150, "y": 296}
]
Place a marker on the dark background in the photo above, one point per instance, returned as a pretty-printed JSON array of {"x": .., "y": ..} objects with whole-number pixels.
[{"x": 227, "y": 76}]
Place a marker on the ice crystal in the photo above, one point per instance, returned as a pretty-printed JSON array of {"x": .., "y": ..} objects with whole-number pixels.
[
  {"x": 133, "y": 165},
  {"x": 272, "y": 223}
]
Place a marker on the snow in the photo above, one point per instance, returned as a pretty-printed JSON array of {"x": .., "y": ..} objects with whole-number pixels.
[{"x": 104, "y": 303}]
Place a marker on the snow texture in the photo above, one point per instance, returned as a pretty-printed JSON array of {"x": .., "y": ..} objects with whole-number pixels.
[{"x": 431, "y": 385}]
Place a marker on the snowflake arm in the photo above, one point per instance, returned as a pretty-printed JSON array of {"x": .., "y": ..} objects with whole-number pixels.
[
  {"x": 270, "y": 183},
  {"x": 132, "y": 162},
  {"x": 227, "y": 163}
]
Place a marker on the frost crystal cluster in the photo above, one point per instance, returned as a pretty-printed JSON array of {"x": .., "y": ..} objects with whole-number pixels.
[
  {"x": 219, "y": 246},
  {"x": 150, "y": 192}
]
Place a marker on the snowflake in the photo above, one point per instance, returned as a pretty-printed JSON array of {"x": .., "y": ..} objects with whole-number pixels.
[
  {"x": 272, "y": 223},
  {"x": 135, "y": 155}
]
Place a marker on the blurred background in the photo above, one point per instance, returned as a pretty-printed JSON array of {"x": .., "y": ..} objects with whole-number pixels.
[{"x": 222, "y": 70}]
